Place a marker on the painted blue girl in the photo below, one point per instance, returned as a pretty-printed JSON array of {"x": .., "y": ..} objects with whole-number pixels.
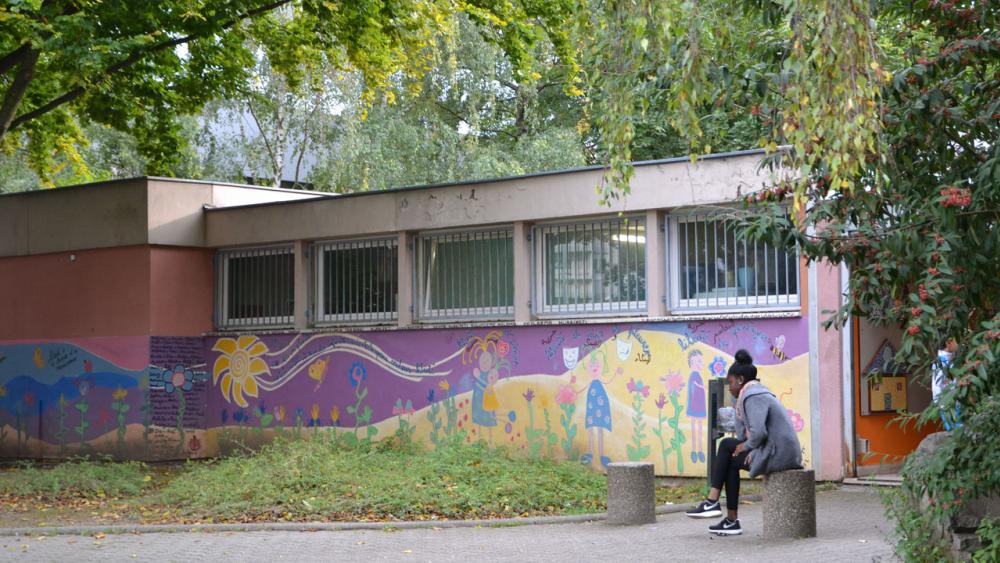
[
  {"x": 488, "y": 354},
  {"x": 598, "y": 415},
  {"x": 697, "y": 401}
]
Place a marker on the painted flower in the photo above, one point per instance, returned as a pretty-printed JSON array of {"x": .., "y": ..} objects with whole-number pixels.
[
  {"x": 239, "y": 416},
  {"x": 797, "y": 421},
  {"x": 334, "y": 415},
  {"x": 397, "y": 409},
  {"x": 238, "y": 367},
  {"x": 529, "y": 394},
  {"x": 674, "y": 382},
  {"x": 639, "y": 387},
  {"x": 566, "y": 395},
  {"x": 104, "y": 417},
  {"x": 279, "y": 412},
  {"x": 119, "y": 394},
  {"x": 29, "y": 399},
  {"x": 224, "y": 415},
  {"x": 430, "y": 396},
  {"x": 718, "y": 366},
  {"x": 300, "y": 413},
  {"x": 661, "y": 401},
  {"x": 83, "y": 387},
  {"x": 181, "y": 378},
  {"x": 3, "y": 391},
  {"x": 357, "y": 374},
  {"x": 444, "y": 385},
  {"x": 503, "y": 348}
]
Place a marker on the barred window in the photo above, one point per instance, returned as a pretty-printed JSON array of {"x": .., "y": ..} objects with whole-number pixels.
[
  {"x": 465, "y": 275},
  {"x": 597, "y": 267},
  {"x": 356, "y": 281},
  {"x": 255, "y": 287},
  {"x": 714, "y": 268}
]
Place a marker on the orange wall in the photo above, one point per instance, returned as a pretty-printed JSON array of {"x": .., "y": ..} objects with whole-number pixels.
[
  {"x": 101, "y": 292},
  {"x": 181, "y": 281},
  {"x": 887, "y": 442}
]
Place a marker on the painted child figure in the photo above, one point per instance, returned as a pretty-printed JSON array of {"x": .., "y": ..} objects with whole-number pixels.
[
  {"x": 598, "y": 415},
  {"x": 697, "y": 400},
  {"x": 487, "y": 353},
  {"x": 484, "y": 394}
]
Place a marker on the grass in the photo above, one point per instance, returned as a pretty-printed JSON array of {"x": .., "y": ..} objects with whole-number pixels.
[
  {"x": 319, "y": 479},
  {"x": 75, "y": 479}
]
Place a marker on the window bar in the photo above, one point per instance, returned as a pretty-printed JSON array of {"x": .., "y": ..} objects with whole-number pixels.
[{"x": 622, "y": 260}]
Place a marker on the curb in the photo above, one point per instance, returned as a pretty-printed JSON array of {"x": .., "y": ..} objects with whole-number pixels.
[{"x": 326, "y": 526}]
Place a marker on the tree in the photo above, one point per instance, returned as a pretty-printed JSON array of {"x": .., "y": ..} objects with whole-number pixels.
[
  {"x": 136, "y": 66},
  {"x": 891, "y": 115}
]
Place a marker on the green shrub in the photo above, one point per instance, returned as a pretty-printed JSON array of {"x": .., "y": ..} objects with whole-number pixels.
[{"x": 962, "y": 468}]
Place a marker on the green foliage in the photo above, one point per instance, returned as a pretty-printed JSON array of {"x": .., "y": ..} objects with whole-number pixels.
[
  {"x": 75, "y": 479},
  {"x": 136, "y": 67},
  {"x": 989, "y": 538},
  {"x": 387, "y": 480},
  {"x": 959, "y": 470},
  {"x": 569, "y": 430}
]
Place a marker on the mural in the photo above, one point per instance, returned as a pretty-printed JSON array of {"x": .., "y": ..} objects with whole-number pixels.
[
  {"x": 587, "y": 393},
  {"x": 129, "y": 397},
  {"x": 593, "y": 394}
]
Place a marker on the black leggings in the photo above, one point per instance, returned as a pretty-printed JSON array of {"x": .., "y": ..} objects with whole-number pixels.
[{"x": 727, "y": 471}]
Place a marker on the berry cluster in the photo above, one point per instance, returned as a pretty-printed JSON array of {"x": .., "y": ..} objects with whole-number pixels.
[{"x": 955, "y": 197}]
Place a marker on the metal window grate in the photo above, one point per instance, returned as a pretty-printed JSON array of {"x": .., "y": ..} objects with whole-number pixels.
[
  {"x": 715, "y": 268},
  {"x": 597, "y": 267},
  {"x": 356, "y": 281},
  {"x": 465, "y": 275},
  {"x": 255, "y": 287}
]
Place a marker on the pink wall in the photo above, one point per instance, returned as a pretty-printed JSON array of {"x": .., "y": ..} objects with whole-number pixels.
[
  {"x": 84, "y": 293},
  {"x": 181, "y": 282},
  {"x": 831, "y": 378}
]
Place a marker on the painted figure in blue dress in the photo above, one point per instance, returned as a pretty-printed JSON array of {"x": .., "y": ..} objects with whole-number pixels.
[
  {"x": 598, "y": 415},
  {"x": 488, "y": 354},
  {"x": 697, "y": 406}
]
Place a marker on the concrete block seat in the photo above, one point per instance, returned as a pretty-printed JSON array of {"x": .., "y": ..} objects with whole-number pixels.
[
  {"x": 631, "y": 493},
  {"x": 789, "y": 509}
]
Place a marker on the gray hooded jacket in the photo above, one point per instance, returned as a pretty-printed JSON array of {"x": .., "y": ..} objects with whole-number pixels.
[{"x": 773, "y": 442}]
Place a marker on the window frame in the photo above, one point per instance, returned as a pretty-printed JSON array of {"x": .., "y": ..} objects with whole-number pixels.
[
  {"x": 317, "y": 250},
  {"x": 458, "y": 314},
  {"x": 541, "y": 309},
  {"x": 740, "y": 304},
  {"x": 223, "y": 319}
]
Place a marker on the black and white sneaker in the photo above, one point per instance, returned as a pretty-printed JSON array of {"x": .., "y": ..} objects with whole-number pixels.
[
  {"x": 726, "y": 528},
  {"x": 706, "y": 509}
]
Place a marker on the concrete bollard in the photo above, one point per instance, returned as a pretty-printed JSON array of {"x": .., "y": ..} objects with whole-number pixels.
[
  {"x": 631, "y": 493},
  {"x": 790, "y": 504}
]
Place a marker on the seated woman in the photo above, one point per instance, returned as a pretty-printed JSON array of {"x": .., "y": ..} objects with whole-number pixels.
[{"x": 766, "y": 443}]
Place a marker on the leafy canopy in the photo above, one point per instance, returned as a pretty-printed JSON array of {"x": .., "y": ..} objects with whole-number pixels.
[{"x": 137, "y": 65}]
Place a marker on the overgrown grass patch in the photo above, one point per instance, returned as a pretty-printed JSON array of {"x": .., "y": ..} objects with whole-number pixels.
[
  {"x": 75, "y": 479},
  {"x": 323, "y": 479}
]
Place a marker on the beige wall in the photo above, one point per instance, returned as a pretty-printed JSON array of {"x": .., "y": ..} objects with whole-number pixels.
[
  {"x": 140, "y": 211},
  {"x": 532, "y": 199}
]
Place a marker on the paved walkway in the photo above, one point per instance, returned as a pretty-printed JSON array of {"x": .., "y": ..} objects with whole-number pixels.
[{"x": 851, "y": 528}]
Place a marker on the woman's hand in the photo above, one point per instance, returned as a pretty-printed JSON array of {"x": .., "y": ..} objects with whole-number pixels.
[{"x": 740, "y": 448}]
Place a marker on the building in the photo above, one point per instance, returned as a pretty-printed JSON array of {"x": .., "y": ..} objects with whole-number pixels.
[{"x": 161, "y": 319}]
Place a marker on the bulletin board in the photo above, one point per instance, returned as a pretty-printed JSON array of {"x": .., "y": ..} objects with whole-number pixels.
[{"x": 890, "y": 394}]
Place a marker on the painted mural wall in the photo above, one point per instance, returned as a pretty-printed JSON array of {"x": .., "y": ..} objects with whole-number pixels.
[
  {"x": 588, "y": 393},
  {"x": 128, "y": 397}
]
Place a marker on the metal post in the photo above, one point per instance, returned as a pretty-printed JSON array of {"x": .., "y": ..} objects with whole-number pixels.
[{"x": 716, "y": 400}]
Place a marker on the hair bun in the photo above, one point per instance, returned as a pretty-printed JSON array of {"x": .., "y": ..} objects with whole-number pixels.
[{"x": 743, "y": 357}]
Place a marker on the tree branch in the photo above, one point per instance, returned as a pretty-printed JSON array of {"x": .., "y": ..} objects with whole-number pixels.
[
  {"x": 13, "y": 58},
  {"x": 18, "y": 88},
  {"x": 133, "y": 59}
]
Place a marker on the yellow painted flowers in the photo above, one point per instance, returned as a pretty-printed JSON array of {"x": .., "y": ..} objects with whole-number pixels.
[
  {"x": 119, "y": 394},
  {"x": 238, "y": 367}
]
